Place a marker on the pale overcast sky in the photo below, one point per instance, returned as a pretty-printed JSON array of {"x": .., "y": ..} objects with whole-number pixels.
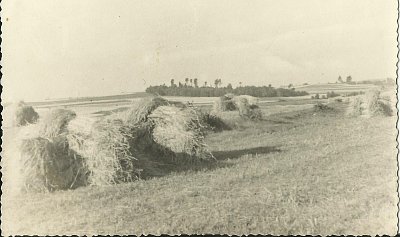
[{"x": 54, "y": 48}]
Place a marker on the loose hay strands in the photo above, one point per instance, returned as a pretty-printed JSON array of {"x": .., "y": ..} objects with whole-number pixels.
[
  {"x": 180, "y": 131},
  {"x": 50, "y": 165},
  {"x": 55, "y": 123},
  {"x": 107, "y": 152},
  {"x": 24, "y": 114}
]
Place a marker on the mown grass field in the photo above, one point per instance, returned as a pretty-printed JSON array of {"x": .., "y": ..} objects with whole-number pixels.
[{"x": 296, "y": 172}]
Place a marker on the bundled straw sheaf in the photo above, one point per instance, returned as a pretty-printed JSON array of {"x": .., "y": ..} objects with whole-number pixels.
[
  {"x": 180, "y": 131},
  {"x": 245, "y": 104},
  {"x": 376, "y": 105},
  {"x": 224, "y": 103},
  {"x": 107, "y": 152},
  {"x": 44, "y": 157},
  {"x": 50, "y": 165}
]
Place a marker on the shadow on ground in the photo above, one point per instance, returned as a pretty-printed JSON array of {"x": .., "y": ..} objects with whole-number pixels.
[
  {"x": 156, "y": 168},
  {"x": 223, "y": 155}
]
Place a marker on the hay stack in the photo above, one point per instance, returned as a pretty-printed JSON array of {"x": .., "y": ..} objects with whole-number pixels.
[
  {"x": 180, "y": 131},
  {"x": 224, "y": 103},
  {"x": 247, "y": 106},
  {"x": 45, "y": 160},
  {"x": 23, "y": 114},
  {"x": 356, "y": 107},
  {"x": 107, "y": 152},
  {"x": 49, "y": 165},
  {"x": 246, "y": 110},
  {"x": 55, "y": 122},
  {"x": 376, "y": 105},
  {"x": 371, "y": 104}
]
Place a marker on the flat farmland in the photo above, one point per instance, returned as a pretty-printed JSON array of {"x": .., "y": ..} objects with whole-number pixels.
[{"x": 297, "y": 171}]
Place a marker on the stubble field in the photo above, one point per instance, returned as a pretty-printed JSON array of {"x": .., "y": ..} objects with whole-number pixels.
[{"x": 298, "y": 171}]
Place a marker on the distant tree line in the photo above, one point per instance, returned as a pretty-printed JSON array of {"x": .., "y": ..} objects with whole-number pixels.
[{"x": 191, "y": 88}]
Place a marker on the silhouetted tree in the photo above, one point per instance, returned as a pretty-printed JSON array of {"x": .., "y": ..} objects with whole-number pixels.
[
  {"x": 348, "y": 79},
  {"x": 195, "y": 81},
  {"x": 340, "y": 79},
  {"x": 172, "y": 83}
]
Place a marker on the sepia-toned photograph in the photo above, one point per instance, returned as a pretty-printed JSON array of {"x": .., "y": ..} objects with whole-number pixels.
[{"x": 199, "y": 117}]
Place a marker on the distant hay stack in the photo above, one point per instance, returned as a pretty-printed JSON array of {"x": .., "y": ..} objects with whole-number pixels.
[
  {"x": 376, "y": 105},
  {"x": 55, "y": 123},
  {"x": 49, "y": 165},
  {"x": 24, "y": 114},
  {"x": 356, "y": 107},
  {"x": 180, "y": 131},
  {"x": 369, "y": 105},
  {"x": 224, "y": 103},
  {"x": 247, "y": 110},
  {"x": 245, "y": 104}
]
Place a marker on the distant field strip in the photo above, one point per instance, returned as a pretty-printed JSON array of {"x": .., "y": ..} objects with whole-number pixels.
[{"x": 335, "y": 87}]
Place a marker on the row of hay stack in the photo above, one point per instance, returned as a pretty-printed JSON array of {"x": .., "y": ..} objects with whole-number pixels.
[
  {"x": 245, "y": 104},
  {"x": 369, "y": 105},
  {"x": 61, "y": 153}
]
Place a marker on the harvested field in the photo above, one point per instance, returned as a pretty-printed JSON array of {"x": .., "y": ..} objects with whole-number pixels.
[{"x": 249, "y": 180}]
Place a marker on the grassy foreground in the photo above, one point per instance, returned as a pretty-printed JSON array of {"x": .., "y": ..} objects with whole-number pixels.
[{"x": 293, "y": 173}]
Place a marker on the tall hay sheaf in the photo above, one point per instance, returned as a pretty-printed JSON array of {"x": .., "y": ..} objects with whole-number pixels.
[
  {"x": 50, "y": 165},
  {"x": 24, "y": 114},
  {"x": 45, "y": 159},
  {"x": 106, "y": 151},
  {"x": 180, "y": 130}
]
